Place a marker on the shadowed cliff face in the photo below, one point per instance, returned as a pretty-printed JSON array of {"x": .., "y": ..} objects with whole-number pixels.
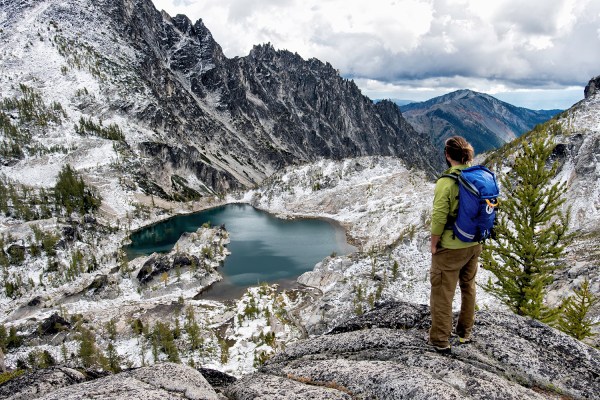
[
  {"x": 381, "y": 354},
  {"x": 592, "y": 87}
]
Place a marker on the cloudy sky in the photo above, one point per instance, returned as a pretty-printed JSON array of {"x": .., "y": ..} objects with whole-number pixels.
[{"x": 537, "y": 54}]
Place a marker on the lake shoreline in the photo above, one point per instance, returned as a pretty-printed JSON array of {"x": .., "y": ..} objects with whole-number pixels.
[
  {"x": 265, "y": 247},
  {"x": 350, "y": 240}
]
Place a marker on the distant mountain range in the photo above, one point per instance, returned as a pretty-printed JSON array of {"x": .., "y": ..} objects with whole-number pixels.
[{"x": 483, "y": 120}]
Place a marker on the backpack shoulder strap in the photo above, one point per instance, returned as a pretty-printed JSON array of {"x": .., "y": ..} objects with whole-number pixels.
[
  {"x": 450, "y": 219},
  {"x": 453, "y": 176}
]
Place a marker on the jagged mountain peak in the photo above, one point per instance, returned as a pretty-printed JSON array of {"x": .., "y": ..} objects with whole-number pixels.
[{"x": 186, "y": 110}]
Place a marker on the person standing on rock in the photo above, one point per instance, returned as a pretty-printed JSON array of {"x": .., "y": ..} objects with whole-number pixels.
[{"x": 452, "y": 260}]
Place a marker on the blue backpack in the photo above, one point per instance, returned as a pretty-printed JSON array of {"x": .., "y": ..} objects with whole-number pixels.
[{"x": 477, "y": 203}]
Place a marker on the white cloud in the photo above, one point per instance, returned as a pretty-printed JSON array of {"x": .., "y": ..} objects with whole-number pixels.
[{"x": 532, "y": 44}]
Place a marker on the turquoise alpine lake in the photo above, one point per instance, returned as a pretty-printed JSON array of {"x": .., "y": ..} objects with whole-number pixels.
[{"x": 264, "y": 249}]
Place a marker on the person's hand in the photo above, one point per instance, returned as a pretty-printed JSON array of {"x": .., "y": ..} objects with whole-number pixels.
[{"x": 435, "y": 239}]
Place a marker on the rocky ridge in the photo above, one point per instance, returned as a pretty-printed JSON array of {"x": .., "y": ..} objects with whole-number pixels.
[
  {"x": 382, "y": 354},
  {"x": 592, "y": 87}
]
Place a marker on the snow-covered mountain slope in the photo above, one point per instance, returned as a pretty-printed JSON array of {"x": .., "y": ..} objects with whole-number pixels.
[
  {"x": 148, "y": 110},
  {"x": 149, "y": 103}
]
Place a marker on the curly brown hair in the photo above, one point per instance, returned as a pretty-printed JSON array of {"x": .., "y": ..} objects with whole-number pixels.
[{"x": 459, "y": 149}]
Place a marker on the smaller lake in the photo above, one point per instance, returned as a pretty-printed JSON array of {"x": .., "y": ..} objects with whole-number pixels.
[{"x": 263, "y": 248}]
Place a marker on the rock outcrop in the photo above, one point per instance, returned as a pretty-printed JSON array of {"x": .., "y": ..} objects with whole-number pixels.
[
  {"x": 383, "y": 355},
  {"x": 592, "y": 87},
  {"x": 35, "y": 384},
  {"x": 161, "y": 381},
  {"x": 379, "y": 355}
]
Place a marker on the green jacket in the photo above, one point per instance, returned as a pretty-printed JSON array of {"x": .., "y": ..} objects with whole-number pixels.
[{"x": 445, "y": 203}]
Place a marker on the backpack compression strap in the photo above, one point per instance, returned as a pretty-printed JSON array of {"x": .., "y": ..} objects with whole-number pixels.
[{"x": 450, "y": 219}]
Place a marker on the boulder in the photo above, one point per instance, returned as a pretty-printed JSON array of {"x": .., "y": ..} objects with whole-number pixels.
[
  {"x": 54, "y": 324},
  {"x": 217, "y": 379},
  {"x": 36, "y": 301},
  {"x": 161, "y": 381},
  {"x": 100, "y": 281},
  {"x": 155, "y": 265},
  {"x": 184, "y": 260}
]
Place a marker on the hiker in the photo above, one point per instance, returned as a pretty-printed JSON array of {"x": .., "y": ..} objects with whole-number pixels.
[{"x": 452, "y": 260}]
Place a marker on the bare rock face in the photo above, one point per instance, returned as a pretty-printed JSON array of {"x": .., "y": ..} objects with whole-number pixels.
[
  {"x": 379, "y": 355},
  {"x": 592, "y": 87},
  {"x": 383, "y": 355},
  {"x": 54, "y": 324}
]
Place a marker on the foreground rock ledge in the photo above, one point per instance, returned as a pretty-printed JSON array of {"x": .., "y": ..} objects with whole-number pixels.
[
  {"x": 383, "y": 355},
  {"x": 380, "y": 355}
]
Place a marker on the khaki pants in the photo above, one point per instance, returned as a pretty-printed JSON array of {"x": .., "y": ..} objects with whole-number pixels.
[{"x": 449, "y": 267}]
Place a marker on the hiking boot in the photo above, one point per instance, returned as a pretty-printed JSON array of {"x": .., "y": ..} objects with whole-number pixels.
[
  {"x": 457, "y": 339},
  {"x": 440, "y": 349}
]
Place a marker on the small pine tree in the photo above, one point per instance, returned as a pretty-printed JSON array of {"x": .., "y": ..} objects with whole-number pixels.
[
  {"x": 111, "y": 329},
  {"x": 88, "y": 351},
  {"x": 574, "y": 320},
  {"x": 64, "y": 352},
  {"x": 163, "y": 338},
  {"x": 113, "y": 358},
  {"x": 395, "y": 270},
  {"x": 531, "y": 233},
  {"x": 192, "y": 329},
  {"x": 14, "y": 340}
]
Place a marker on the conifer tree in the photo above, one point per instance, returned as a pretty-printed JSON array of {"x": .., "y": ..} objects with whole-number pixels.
[
  {"x": 574, "y": 320},
  {"x": 13, "y": 340},
  {"x": 163, "y": 338},
  {"x": 71, "y": 192},
  {"x": 113, "y": 358},
  {"x": 192, "y": 329},
  {"x": 88, "y": 351},
  {"x": 531, "y": 233}
]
